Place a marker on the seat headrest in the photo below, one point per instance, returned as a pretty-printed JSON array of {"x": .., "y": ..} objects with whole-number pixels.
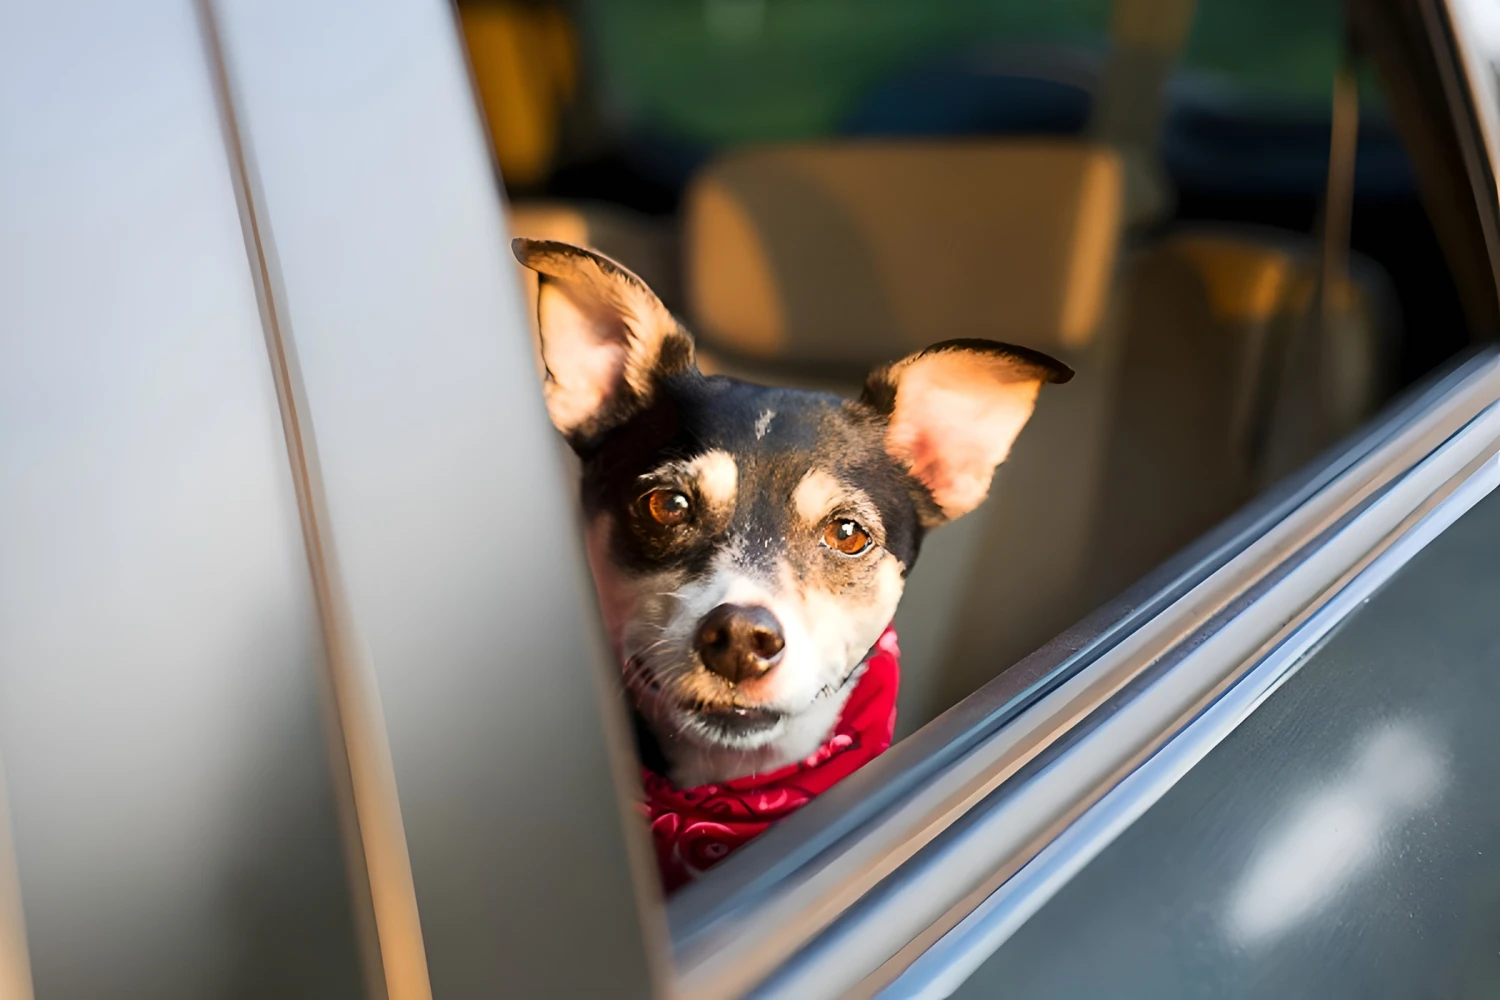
[{"x": 857, "y": 252}]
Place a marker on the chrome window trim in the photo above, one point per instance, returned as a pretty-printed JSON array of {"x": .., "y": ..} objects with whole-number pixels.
[
  {"x": 940, "y": 970},
  {"x": 896, "y": 884}
]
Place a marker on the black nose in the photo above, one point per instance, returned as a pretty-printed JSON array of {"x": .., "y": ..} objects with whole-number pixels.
[{"x": 739, "y": 642}]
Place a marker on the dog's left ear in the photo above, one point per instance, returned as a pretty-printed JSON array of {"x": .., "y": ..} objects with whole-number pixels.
[
  {"x": 606, "y": 337},
  {"x": 953, "y": 412}
]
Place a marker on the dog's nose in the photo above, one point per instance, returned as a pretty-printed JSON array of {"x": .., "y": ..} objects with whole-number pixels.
[{"x": 739, "y": 642}]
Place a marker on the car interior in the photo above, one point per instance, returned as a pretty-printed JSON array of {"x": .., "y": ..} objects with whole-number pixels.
[{"x": 1211, "y": 217}]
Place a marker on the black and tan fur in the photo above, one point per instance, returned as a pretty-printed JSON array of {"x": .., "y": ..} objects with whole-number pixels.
[{"x": 765, "y": 474}]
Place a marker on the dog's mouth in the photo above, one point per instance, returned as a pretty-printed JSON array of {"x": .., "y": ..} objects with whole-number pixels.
[
  {"x": 726, "y": 722},
  {"x": 723, "y": 718},
  {"x": 734, "y": 721}
]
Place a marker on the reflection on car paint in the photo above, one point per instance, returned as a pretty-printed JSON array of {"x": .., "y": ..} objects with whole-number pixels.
[{"x": 1335, "y": 833}]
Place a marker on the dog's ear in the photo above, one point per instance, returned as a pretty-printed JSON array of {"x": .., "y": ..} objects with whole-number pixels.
[
  {"x": 954, "y": 410},
  {"x": 606, "y": 337}
]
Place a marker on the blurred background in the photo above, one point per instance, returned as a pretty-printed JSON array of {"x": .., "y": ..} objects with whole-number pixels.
[{"x": 818, "y": 186}]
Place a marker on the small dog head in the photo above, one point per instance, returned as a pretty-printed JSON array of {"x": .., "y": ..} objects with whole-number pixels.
[{"x": 749, "y": 544}]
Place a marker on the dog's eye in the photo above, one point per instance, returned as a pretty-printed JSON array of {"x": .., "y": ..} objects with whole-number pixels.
[
  {"x": 846, "y": 536},
  {"x": 668, "y": 508}
]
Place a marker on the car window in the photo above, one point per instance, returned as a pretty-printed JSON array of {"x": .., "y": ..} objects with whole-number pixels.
[
  {"x": 1220, "y": 227},
  {"x": 1170, "y": 316}
]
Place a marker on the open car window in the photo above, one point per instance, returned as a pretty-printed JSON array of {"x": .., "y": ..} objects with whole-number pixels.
[
  {"x": 1148, "y": 543},
  {"x": 1270, "y": 305}
]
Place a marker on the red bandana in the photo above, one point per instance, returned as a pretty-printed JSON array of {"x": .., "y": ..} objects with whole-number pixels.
[{"x": 696, "y": 828}]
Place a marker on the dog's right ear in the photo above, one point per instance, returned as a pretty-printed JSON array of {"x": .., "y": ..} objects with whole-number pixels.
[
  {"x": 606, "y": 337},
  {"x": 952, "y": 412}
]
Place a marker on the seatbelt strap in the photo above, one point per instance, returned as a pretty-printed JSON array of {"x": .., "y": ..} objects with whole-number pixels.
[
  {"x": 1331, "y": 281},
  {"x": 1146, "y": 39},
  {"x": 1338, "y": 194}
]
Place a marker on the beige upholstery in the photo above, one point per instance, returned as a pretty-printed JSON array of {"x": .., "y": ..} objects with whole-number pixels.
[
  {"x": 1197, "y": 315},
  {"x": 861, "y": 252},
  {"x": 1193, "y": 316}
]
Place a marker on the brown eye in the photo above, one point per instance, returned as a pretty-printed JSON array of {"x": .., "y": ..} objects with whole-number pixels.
[
  {"x": 667, "y": 508},
  {"x": 846, "y": 536}
]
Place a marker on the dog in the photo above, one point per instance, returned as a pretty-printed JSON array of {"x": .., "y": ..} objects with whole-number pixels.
[{"x": 749, "y": 544}]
